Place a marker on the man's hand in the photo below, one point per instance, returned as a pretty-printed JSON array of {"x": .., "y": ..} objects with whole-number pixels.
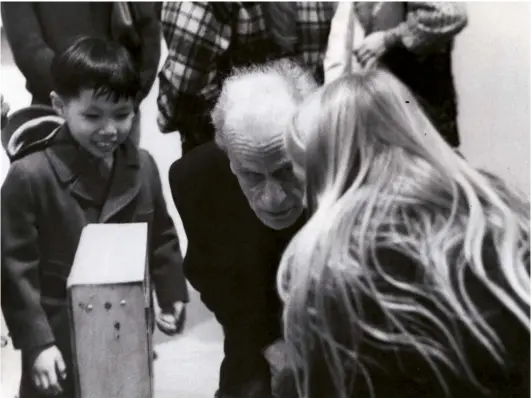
[
  {"x": 371, "y": 49},
  {"x": 171, "y": 322},
  {"x": 276, "y": 355},
  {"x": 47, "y": 371}
]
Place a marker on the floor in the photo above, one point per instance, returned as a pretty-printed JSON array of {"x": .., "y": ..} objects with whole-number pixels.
[{"x": 187, "y": 366}]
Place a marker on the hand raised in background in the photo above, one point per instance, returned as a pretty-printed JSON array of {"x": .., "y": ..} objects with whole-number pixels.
[{"x": 371, "y": 49}]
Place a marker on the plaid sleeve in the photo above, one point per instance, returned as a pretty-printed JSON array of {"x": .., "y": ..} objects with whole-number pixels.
[
  {"x": 189, "y": 76},
  {"x": 429, "y": 23}
]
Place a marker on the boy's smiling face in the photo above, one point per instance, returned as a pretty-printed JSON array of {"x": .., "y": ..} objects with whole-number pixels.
[{"x": 99, "y": 123}]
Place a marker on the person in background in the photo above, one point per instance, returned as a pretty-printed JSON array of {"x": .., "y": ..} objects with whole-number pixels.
[
  {"x": 206, "y": 40},
  {"x": 412, "y": 277},
  {"x": 413, "y": 40},
  {"x": 37, "y": 31},
  {"x": 240, "y": 205},
  {"x": 85, "y": 170}
]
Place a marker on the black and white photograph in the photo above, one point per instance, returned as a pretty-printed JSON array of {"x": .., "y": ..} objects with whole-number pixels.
[{"x": 265, "y": 199}]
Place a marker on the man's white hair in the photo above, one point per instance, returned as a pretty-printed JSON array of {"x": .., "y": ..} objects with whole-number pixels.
[{"x": 265, "y": 95}]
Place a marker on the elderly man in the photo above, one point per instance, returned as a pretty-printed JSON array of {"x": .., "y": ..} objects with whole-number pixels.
[{"x": 240, "y": 205}]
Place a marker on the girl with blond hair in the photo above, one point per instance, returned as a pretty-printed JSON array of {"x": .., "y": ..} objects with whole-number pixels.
[{"x": 411, "y": 279}]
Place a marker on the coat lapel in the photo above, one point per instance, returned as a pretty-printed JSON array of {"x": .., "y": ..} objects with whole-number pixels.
[
  {"x": 125, "y": 181},
  {"x": 73, "y": 165}
]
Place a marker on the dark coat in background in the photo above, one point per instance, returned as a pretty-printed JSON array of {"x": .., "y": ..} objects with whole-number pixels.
[
  {"x": 427, "y": 72},
  {"x": 37, "y": 31},
  {"x": 232, "y": 259},
  {"x": 48, "y": 197}
]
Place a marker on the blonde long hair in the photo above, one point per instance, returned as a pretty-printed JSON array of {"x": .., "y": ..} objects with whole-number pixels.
[{"x": 380, "y": 177}]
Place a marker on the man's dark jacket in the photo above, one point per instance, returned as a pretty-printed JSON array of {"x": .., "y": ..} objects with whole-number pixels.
[{"x": 232, "y": 258}]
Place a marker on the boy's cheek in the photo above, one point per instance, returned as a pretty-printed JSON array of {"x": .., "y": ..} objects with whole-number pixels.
[{"x": 127, "y": 127}]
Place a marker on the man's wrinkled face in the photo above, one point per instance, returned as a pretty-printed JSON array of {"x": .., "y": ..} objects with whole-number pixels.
[{"x": 269, "y": 184}]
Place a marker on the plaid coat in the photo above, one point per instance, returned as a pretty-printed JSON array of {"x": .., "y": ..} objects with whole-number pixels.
[{"x": 205, "y": 40}]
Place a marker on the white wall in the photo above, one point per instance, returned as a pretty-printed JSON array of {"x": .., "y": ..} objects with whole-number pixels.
[{"x": 492, "y": 73}]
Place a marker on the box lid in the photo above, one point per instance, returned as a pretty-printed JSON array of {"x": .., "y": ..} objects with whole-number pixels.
[{"x": 110, "y": 254}]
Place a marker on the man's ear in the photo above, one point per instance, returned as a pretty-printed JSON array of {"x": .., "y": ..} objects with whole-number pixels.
[{"x": 58, "y": 103}]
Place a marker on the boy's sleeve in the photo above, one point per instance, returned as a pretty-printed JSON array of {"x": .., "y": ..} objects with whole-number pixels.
[
  {"x": 31, "y": 53},
  {"x": 166, "y": 263},
  {"x": 24, "y": 316}
]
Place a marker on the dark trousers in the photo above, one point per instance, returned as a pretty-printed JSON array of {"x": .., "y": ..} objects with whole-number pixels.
[{"x": 244, "y": 372}]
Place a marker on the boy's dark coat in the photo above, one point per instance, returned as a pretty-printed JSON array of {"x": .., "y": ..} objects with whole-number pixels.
[{"x": 47, "y": 198}]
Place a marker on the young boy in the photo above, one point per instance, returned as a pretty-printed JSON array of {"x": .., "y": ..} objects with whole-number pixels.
[{"x": 86, "y": 170}]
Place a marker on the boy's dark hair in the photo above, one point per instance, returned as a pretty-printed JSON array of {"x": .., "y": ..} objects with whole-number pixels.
[{"x": 99, "y": 64}]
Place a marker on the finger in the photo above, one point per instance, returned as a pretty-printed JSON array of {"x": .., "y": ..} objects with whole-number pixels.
[
  {"x": 167, "y": 332},
  {"x": 360, "y": 55},
  {"x": 370, "y": 60},
  {"x": 166, "y": 316},
  {"x": 362, "y": 60},
  {"x": 54, "y": 386},
  {"x": 61, "y": 368},
  {"x": 363, "y": 53},
  {"x": 370, "y": 63},
  {"x": 166, "y": 319},
  {"x": 37, "y": 380},
  {"x": 166, "y": 327},
  {"x": 366, "y": 57},
  {"x": 45, "y": 383},
  {"x": 363, "y": 49}
]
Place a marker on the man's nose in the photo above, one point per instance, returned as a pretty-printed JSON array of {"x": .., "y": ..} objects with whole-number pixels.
[{"x": 273, "y": 196}]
